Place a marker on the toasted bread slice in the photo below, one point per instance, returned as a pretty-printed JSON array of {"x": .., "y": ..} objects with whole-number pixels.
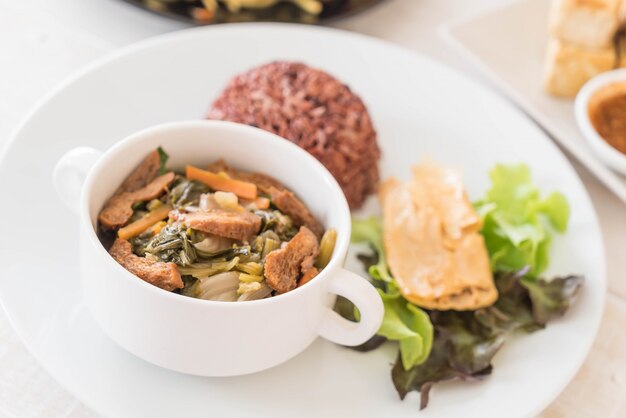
[
  {"x": 590, "y": 23},
  {"x": 569, "y": 66}
]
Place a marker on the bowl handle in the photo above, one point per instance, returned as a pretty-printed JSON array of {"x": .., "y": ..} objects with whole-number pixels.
[
  {"x": 365, "y": 297},
  {"x": 70, "y": 173}
]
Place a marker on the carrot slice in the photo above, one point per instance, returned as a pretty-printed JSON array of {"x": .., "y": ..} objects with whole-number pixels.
[
  {"x": 307, "y": 276},
  {"x": 140, "y": 225},
  {"x": 262, "y": 203},
  {"x": 242, "y": 189}
]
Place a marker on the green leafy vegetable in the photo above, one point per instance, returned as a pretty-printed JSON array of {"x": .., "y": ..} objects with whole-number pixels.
[
  {"x": 517, "y": 222},
  {"x": 171, "y": 244},
  {"x": 226, "y": 254},
  {"x": 347, "y": 309},
  {"x": 511, "y": 311},
  {"x": 370, "y": 231},
  {"x": 186, "y": 193},
  {"x": 163, "y": 157},
  {"x": 438, "y": 368},
  {"x": 466, "y": 342},
  {"x": 277, "y": 222},
  {"x": 556, "y": 208},
  {"x": 551, "y": 299},
  {"x": 403, "y": 321},
  {"x": 407, "y": 324}
]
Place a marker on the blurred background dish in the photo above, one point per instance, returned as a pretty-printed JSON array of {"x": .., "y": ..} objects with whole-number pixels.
[
  {"x": 600, "y": 112},
  {"x": 516, "y": 65},
  {"x": 204, "y": 12},
  {"x": 585, "y": 39}
]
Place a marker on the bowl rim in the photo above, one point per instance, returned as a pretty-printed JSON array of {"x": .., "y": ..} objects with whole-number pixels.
[
  {"x": 339, "y": 204},
  {"x": 606, "y": 152}
]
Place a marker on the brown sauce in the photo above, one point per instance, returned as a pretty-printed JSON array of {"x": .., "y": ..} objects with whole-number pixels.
[{"x": 607, "y": 112}]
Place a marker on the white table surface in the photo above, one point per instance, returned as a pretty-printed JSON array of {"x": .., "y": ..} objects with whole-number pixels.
[{"x": 43, "y": 41}]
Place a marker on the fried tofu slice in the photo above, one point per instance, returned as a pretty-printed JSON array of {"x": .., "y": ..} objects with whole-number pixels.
[
  {"x": 432, "y": 241},
  {"x": 118, "y": 210},
  {"x": 143, "y": 174},
  {"x": 228, "y": 224},
  {"x": 163, "y": 275},
  {"x": 290, "y": 205},
  {"x": 588, "y": 23},
  {"x": 295, "y": 261},
  {"x": 569, "y": 67},
  {"x": 282, "y": 198}
]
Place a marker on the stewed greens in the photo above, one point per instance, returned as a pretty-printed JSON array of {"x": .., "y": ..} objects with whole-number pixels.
[{"x": 213, "y": 234}]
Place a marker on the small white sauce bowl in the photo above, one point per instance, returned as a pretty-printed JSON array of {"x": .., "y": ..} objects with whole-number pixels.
[
  {"x": 609, "y": 155},
  {"x": 202, "y": 337}
]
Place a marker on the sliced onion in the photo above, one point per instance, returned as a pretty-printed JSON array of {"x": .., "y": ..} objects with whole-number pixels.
[
  {"x": 213, "y": 244},
  {"x": 216, "y": 285},
  {"x": 229, "y": 296},
  {"x": 207, "y": 202},
  {"x": 261, "y": 293},
  {"x": 270, "y": 234}
]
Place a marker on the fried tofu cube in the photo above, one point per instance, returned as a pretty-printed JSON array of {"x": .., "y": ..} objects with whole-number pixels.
[
  {"x": 590, "y": 23},
  {"x": 569, "y": 66}
]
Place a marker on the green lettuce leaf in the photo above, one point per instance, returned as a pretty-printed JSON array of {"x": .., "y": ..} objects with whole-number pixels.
[
  {"x": 347, "y": 309},
  {"x": 370, "y": 231},
  {"x": 556, "y": 208},
  {"x": 551, "y": 299},
  {"x": 518, "y": 224},
  {"x": 466, "y": 342},
  {"x": 513, "y": 309},
  {"x": 448, "y": 352},
  {"x": 407, "y": 324},
  {"x": 403, "y": 321}
]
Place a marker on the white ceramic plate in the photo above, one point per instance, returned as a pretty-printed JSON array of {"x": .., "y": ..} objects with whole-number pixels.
[
  {"x": 514, "y": 60},
  {"x": 419, "y": 107}
]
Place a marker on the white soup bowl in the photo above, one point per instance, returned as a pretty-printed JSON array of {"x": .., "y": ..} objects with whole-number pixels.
[{"x": 211, "y": 338}]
